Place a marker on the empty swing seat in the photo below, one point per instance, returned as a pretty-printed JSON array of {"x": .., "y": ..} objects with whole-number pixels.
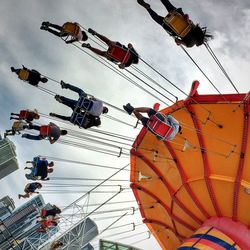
[{"x": 178, "y": 23}]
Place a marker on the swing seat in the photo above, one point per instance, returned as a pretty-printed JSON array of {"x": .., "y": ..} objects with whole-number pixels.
[
  {"x": 178, "y": 23},
  {"x": 23, "y": 114},
  {"x": 45, "y": 130},
  {"x": 77, "y": 118},
  {"x": 159, "y": 128},
  {"x": 71, "y": 28},
  {"x": 119, "y": 54},
  {"x": 17, "y": 125},
  {"x": 23, "y": 75}
]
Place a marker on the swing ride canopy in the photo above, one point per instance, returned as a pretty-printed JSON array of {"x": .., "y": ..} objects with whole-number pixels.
[{"x": 202, "y": 173}]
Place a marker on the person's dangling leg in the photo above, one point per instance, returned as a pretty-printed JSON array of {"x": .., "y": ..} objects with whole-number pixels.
[
  {"x": 158, "y": 19},
  {"x": 73, "y": 88},
  {"x": 56, "y": 33},
  {"x": 55, "y": 26},
  {"x": 168, "y": 5},
  {"x": 66, "y": 101},
  {"x": 103, "y": 38},
  {"x": 95, "y": 50},
  {"x": 32, "y": 137},
  {"x": 62, "y": 117},
  {"x": 35, "y": 127}
]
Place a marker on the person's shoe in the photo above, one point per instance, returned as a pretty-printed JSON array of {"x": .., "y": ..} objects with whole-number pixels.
[
  {"x": 86, "y": 45},
  {"x": 19, "y": 196},
  {"x": 128, "y": 108},
  {"x": 5, "y": 135},
  {"x": 92, "y": 32},
  {"x": 52, "y": 114},
  {"x": 63, "y": 84},
  {"x": 58, "y": 98},
  {"x": 44, "y": 27},
  {"x": 24, "y": 135},
  {"x": 12, "y": 69},
  {"x": 144, "y": 4},
  {"x": 45, "y": 23},
  {"x": 11, "y": 118}
]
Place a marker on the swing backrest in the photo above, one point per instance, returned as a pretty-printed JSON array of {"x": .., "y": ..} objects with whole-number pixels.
[
  {"x": 161, "y": 129},
  {"x": 23, "y": 114},
  {"x": 45, "y": 130},
  {"x": 178, "y": 23},
  {"x": 71, "y": 28},
  {"x": 119, "y": 54},
  {"x": 18, "y": 125},
  {"x": 23, "y": 74},
  {"x": 79, "y": 118}
]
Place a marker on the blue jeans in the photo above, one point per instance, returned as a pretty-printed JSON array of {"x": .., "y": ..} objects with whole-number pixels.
[
  {"x": 34, "y": 137},
  {"x": 69, "y": 102}
]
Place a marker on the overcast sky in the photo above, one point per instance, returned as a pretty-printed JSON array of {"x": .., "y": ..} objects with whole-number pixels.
[{"x": 22, "y": 42}]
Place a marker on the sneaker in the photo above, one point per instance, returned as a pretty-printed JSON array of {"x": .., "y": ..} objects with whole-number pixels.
[
  {"x": 92, "y": 32},
  {"x": 45, "y": 23},
  {"x": 58, "y": 98},
  {"x": 44, "y": 27},
  {"x": 86, "y": 45},
  {"x": 63, "y": 84},
  {"x": 144, "y": 4},
  {"x": 128, "y": 108}
]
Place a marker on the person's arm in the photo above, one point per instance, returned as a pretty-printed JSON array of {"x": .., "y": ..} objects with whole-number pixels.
[
  {"x": 52, "y": 141},
  {"x": 24, "y": 67},
  {"x": 121, "y": 65},
  {"x": 178, "y": 41}
]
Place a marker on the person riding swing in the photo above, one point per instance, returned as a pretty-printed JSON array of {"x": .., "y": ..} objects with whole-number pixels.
[
  {"x": 40, "y": 169},
  {"x": 32, "y": 76},
  {"x": 51, "y": 132},
  {"x": 26, "y": 115},
  {"x": 164, "y": 127},
  {"x": 69, "y": 32},
  {"x": 117, "y": 52},
  {"x": 178, "y": 25},
  {"x": 17, "y": 127},
  {"x": 86, "y": 111}
]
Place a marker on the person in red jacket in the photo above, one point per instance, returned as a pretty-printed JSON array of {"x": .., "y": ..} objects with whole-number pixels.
[
  {"x": 164, "y": 127},
  {"x": 26, "y": 115},
  {"x": 118, "y": 53},
  {"x": 50, "y": 131}
]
